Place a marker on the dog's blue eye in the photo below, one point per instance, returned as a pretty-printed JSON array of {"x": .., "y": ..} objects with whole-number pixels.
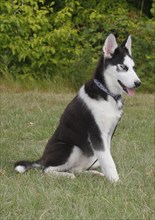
[{"x": 122, "y": 67}]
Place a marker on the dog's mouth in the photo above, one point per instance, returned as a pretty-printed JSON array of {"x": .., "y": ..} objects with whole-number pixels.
[{"x": 129, "y": 91}]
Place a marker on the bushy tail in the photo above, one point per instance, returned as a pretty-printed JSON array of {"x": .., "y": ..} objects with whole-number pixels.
[{"x": 24, "y": 165}]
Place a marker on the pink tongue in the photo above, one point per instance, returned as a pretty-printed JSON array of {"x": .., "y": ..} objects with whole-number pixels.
[{"x": 131, "y": 92}]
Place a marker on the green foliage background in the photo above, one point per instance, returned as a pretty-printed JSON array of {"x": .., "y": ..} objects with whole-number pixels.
[{"x": 62, "y": 40}]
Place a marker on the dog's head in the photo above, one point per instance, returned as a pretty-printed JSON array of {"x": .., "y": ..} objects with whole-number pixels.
[{"x": 119, "y": 71}]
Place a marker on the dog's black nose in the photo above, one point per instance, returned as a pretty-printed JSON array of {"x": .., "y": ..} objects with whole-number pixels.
[{"x": 137, "y": 83}]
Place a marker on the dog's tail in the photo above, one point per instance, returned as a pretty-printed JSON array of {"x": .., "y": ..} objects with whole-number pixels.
[{"x": 22, "y": 166}]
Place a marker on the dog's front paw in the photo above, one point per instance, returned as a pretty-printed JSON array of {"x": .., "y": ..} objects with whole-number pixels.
[{"x": 112, "y": 175}]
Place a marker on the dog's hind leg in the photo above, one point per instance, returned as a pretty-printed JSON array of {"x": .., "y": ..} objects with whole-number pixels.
[
  {"x": 60, "y": 162},
  {"x": 56, "y": 172},
  {"x": 94, "y": 172}
]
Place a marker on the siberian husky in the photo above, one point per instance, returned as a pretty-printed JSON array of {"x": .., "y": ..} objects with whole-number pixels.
[{"x": 82, "y": 139}]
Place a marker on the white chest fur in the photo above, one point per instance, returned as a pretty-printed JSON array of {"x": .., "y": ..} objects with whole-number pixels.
[{"x": 106, "y": 113}]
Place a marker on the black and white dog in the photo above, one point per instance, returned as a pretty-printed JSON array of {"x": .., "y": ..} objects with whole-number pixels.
[{"x": 82, "y": 140}]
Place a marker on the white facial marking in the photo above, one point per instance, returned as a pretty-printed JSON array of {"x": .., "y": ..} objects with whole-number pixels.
[
  {"x": 127, "y": 77},
  {"x": 128, "y": 62}
]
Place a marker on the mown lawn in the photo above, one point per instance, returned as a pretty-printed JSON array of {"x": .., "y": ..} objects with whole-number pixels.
[{"x": 28, "y": 119}]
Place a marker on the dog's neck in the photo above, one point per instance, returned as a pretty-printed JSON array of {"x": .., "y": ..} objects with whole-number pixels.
[{"x": 105, "y": 90}]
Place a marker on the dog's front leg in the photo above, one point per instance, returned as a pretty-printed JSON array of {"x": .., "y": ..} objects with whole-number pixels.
[{"x": 106, "y": 162}]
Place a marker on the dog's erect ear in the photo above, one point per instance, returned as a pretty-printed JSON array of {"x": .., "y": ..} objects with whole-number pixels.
[
  {"x": 128, "y": 44},
  {"x": 109, "y": 46}
]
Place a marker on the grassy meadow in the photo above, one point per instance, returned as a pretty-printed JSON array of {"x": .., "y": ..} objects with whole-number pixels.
[{"x": 29, "y": 118}]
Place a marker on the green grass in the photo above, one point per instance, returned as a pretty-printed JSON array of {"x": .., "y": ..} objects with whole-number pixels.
[{"x": 28, "y": 119}]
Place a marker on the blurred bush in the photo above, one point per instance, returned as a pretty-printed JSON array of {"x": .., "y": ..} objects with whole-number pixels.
[{"x": 62, "y": 40}]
